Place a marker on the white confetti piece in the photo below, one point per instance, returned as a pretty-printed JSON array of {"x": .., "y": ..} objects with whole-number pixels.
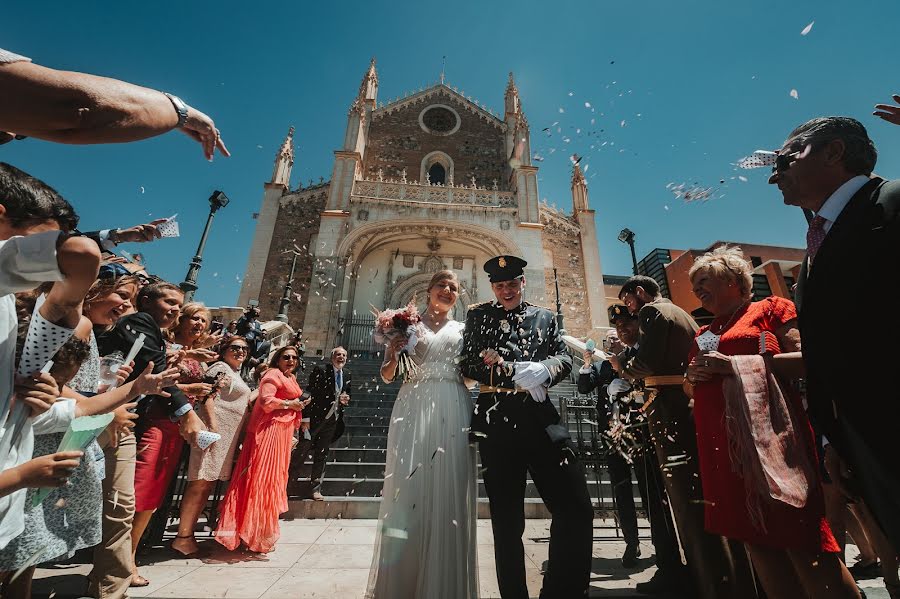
[
  {"x": 808, "y": 28},
  {"x": 794, "y": 94}
]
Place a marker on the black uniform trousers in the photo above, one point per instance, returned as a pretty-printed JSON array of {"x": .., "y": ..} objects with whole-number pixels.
[
  {"x": 508, "y": 455},
  {"x": 319, "y": 443},
  {"x": 652, "y": 492},
  {"x": 720, "y": 567}
]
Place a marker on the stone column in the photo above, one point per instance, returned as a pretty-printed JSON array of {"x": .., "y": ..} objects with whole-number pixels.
[
  {"x": 593, "y": 271},
  {"x": 262, "y": 240}
]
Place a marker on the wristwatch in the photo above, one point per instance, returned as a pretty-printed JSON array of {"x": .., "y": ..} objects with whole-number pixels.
[{"x": 180, "y": 107}]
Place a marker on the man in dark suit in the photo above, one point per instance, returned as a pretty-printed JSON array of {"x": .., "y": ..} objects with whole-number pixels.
[
  {"x": 825, "y": 167},
  {"x": 329, "y": 386},
  {"x": 617, "y": 403},
  {"x": 515, "y": 351}
]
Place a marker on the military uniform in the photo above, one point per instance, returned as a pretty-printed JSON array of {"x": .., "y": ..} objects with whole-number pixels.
[
  {"x": 637, "y": 455},
  {"x": 720, "y": 568},
  {"x": 514, "y": 440}
]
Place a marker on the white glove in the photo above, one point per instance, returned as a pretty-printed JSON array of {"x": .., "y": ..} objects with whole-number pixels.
[
  {"x": 530, "y": 374},
  {"x": 539, "y": 393},
  {"x": 618, "y": 386}
]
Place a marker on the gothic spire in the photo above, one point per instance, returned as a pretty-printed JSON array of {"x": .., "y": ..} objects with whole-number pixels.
[
  {"x": 284, "y": 160},
  {"x": 579, "y": 190},
  {"x": 511, "y": 98},
  {"x": 368, "y": 89}
]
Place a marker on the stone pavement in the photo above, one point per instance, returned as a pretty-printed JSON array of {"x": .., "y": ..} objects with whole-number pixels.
[{"x": 330, "y": 559}]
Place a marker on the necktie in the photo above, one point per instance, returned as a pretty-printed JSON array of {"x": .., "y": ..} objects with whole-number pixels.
[
  {"x": 338, "y": 381},
  {"x": 815, "y": 235}
]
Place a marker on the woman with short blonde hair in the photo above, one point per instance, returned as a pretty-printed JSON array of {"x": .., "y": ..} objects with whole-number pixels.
[{"x": 726, "y": 262}]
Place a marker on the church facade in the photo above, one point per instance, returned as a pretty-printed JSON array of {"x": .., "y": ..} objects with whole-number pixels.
[{"x": 430, "y": 181}]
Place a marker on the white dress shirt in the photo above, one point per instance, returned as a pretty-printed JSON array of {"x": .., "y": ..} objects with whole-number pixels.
[
  {"x": 338, "y": 386},
  {"x": 837, "y": 201}
]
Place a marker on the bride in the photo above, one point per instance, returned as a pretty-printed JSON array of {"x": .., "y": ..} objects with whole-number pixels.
[{"x": 426, "y": 546}]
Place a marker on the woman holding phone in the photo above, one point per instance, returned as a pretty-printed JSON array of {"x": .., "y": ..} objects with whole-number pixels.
[{"x": 257, "y": 494}]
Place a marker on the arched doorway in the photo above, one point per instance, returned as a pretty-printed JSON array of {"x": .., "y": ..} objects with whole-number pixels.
[{"x": 437, "y": 175}]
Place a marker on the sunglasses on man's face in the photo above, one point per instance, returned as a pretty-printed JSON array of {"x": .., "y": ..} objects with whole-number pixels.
[{"x": 784, "y": 160}]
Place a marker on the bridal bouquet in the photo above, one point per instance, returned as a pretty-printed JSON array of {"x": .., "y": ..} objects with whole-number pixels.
[{"x": 402, "y": 322}]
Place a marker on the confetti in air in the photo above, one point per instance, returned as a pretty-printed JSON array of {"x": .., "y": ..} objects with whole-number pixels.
[
  {"x": 794, "y": 94},
  {"x": 808, "y": 28}
]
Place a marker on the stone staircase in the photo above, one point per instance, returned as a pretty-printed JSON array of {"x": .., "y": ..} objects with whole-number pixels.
[{"x": 354, "y": 474}]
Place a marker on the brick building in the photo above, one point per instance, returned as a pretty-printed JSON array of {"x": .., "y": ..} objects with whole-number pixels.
[
  {"x": 433, "y": 180},
  {"x": 775, "y": 270}
]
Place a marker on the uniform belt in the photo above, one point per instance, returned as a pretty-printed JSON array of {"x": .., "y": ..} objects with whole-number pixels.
[
  {"x": 667, "y": 380},
  {"x": 489, "y": 389}
]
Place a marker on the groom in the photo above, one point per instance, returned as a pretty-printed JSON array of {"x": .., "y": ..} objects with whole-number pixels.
[{"x": 514, "y": 349}]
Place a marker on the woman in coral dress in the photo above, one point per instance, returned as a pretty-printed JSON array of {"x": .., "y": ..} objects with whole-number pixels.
[
  {"x": 257, "y": 494},
  {"x": 759, "y": 487}
]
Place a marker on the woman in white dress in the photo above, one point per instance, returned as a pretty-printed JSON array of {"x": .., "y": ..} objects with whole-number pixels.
[{"x": 426, "y": 546}]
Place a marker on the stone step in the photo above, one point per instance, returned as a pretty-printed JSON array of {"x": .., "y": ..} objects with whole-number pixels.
[
  {"x": 361, "y": 442},
  {"x": 367, "y": 508},
  {"x": 372, "y": 487},
  {"x": 355, "y": 411},
  {"x": 361, "y": 469},
  {"x": 358, "y": 455}
]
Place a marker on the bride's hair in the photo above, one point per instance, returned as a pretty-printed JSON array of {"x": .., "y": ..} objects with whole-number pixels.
[{"x": 442, "y": 275}]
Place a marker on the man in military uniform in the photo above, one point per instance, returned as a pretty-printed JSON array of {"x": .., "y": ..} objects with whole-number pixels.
[
  {"x": 620, "y": 404},
  {"x": 515, "y": 351},
  {"x": 720, "y": 568}
]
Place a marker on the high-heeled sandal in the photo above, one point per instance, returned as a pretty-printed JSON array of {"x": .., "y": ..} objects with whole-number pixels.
[{"x": 139, "y": 581}]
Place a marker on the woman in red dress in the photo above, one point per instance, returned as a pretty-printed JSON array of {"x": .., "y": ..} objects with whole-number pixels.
[
  {"x": 257, "y": 494},
  {"x": 792, "y": 548},
  {"x": 160, "y": 445}
]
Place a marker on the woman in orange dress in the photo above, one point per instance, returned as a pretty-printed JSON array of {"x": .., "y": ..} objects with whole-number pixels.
[{"x": 257, "y": 494}]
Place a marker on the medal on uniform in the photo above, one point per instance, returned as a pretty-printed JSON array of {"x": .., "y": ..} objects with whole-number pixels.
[{"x": 504, "y": 326}]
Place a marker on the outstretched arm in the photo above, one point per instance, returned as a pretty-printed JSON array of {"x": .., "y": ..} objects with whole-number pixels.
[{"x": 78, "y": 108}]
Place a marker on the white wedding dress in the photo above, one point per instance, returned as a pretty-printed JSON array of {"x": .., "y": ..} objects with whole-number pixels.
[{"x": 426, "y": 546}]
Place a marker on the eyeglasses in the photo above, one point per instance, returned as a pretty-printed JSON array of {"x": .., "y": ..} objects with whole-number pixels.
[
  {"x": 239, "y": 348},
  {"x": 784, "y": 161},
  {"x": 289, "y": 358}
]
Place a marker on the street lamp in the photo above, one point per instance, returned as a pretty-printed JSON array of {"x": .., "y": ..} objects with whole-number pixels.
[
  {"x": 286, "y": 296},
  {"x": 217, "y": 200},
  {"x": 559, "y": 313},
  {"x": 626, "y": 235}
]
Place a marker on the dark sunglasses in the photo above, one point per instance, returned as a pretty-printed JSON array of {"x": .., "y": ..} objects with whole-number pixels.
[
  {"x": 289, "y": 358},
  {"x": 783, "y": 162},
  {"x": 239, "y": 348}
]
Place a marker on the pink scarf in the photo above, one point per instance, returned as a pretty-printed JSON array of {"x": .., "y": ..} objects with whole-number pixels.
[{"x": 765, "y": 444}]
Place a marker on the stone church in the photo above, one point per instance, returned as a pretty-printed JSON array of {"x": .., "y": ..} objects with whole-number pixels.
[{"x": 430, "y": 181}]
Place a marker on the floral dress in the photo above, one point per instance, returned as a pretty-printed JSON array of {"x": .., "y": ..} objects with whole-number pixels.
[{"x": 70, "y": 518}]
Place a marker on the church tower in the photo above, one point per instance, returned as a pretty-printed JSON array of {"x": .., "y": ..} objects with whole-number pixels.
[
  {"x": 590, "y": 252},
  {"x": 347, "y": 165},
  {"x": 273, "y": 190},
  {"x": 523, "y": 176}
]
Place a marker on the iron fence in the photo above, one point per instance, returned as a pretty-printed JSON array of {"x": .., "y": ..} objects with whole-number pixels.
[{"x": 357, "y": 337}]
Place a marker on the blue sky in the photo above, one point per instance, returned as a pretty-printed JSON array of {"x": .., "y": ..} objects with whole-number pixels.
[{"x": 698, "y": 84}]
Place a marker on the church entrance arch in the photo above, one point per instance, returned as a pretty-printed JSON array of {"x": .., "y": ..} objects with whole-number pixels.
[{"x": 389, "y": 262}]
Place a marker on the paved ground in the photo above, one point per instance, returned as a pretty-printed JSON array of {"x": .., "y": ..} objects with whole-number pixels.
[{"x": 330, "y": 559}]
